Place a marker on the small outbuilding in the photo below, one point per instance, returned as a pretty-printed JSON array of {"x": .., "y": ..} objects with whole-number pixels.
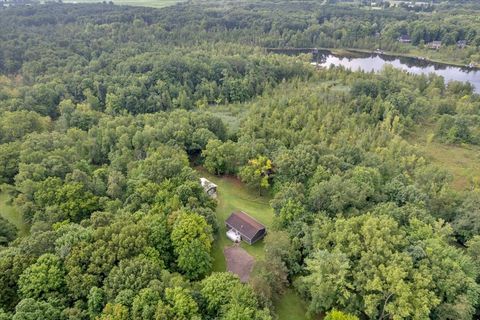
[
  {"x": 209, "y": 187},
  {"x": 241, "y": 224},
  {"x": 461, "y": 44},
  {"x": 435, "y": 45},
  {"x": 404, "y": 38}
]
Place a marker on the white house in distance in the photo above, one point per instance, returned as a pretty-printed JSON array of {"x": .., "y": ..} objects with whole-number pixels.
[{"x": 209, "y": 187}]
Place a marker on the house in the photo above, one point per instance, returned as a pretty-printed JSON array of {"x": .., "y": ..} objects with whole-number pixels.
[
  {"x": 209, "y": 187},
  {"x": 434, "y": 45},
  {"x": 241, "y": 226},
  {"x": 404, "y": 38}
]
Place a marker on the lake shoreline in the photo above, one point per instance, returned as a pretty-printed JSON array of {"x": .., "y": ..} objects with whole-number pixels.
[
  {"x": 367, "y": 61},
  {"x": 347, "y": 51}
]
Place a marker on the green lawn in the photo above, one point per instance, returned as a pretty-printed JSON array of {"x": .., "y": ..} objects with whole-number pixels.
[
  {"x": 234, "y": 195},
  {"x": 141, "y": 3},
  {"x": 291, "y": 306},
  {"x": 9, "y": 212}
]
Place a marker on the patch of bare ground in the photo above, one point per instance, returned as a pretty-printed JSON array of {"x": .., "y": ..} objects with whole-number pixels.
[{"x": 239, "y": 262}]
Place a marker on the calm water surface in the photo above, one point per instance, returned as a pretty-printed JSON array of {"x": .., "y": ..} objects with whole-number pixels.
[{"x": 375, "y": 62}]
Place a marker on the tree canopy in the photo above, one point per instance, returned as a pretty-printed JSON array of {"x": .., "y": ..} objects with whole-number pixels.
[{"x": 106, "y": 113}]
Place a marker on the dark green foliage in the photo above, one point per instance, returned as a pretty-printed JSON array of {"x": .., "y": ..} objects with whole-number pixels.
[
  {"x": 221, "y": 157},
  {"x": 133, "y": 274},
  {"x": 456, "y": 129},
  {"x": 8, "y": 231},
  {"x": 30, "y": 309},
  {"x": 271, "y": 276},
  {"x": 466, "y": 221}
]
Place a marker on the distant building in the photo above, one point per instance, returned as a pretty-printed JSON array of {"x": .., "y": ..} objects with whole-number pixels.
[
  {"x": 241, "y": 226},
  {"x": 209, "y": 187},
  {"x": 420, "y": 4},
  {"x": 411, "y": 4},
  {"x": 461, "y": 44},
  {"x": 435, "y": 45},
  {"x": 404, "y": 38}
]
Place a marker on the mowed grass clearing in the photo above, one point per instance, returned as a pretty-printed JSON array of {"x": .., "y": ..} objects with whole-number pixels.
[
  {"x": 139, "y": 3},
  {"x": 234, "y": 195},
  {"x": 9, "y": 212}
]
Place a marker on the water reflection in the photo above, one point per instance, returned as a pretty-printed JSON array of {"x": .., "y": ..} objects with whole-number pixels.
[{"x": 375, "y": 62}]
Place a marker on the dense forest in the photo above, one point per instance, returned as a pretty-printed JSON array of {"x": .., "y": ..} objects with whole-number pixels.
[
  {"x": 107, "y": 111},
  {"x": 273, "y": 24}
]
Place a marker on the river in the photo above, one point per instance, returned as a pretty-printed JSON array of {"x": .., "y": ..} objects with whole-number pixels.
[{"x": 374, "y": 61}]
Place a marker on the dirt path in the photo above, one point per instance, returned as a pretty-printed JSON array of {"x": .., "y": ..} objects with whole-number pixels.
[{"x": 239, "y": 262}]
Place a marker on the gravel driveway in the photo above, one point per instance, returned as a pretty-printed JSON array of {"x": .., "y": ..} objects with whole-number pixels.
[{"x": 239, "y": 262}]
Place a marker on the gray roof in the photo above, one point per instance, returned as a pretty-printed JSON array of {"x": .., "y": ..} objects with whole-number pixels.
[{"x": 244, "y": 224}]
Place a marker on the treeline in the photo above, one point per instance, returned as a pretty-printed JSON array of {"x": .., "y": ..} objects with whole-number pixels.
[
  {"x": 147, "y": 82},
  {"x": 122, "y": 61},
  {"x": 96, "y": 47}
]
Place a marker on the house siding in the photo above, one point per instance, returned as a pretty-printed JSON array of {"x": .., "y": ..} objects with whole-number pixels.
[{"x": 260, "y": 234}]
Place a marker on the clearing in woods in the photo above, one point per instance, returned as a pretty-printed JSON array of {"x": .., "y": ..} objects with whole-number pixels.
[
  {"x": 460, "y": 160},
  {"x": 9, "y": 212},
  {"x": 234, "y": 195}
]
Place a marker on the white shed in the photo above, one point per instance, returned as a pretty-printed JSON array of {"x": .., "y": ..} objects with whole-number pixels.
[{"x": 209, "y": 187}]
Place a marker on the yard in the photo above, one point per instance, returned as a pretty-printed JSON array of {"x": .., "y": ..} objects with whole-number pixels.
[{"x": 234, "y": 195}]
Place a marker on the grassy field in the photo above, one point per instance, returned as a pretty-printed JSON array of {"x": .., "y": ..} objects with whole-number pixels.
[
  {"x": 291, "y": 306},
  {"x": 140, "y": 3},
  {"x": 234, "y": 195},
  {"x": 461, "y": 161},
  {"x": 231, "y": 115},
  {"x": 10, "y": 213}
]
